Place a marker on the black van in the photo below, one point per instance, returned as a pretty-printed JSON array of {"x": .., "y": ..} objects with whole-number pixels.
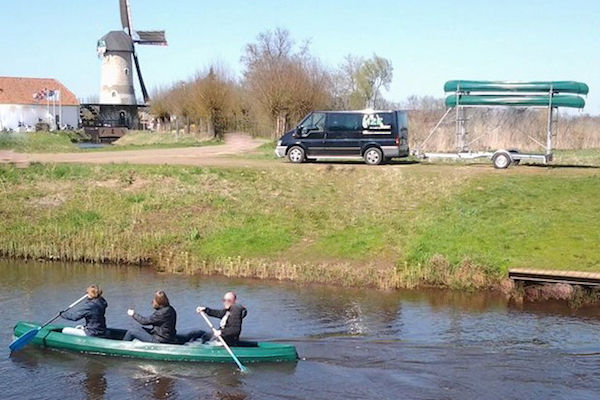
[{"x": 375, "y": 136}]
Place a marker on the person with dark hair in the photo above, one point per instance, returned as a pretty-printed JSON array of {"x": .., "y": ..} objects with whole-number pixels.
[
  {"x": 162, "y": 322},
  {"x": 93, "y": 310},
  {"x": 231, "y": 316}
]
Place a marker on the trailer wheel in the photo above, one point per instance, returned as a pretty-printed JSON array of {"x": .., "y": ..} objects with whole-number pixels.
[{"x": 502, "y": 160}]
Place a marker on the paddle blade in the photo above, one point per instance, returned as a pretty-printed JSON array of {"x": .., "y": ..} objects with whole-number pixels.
[{"x": 23, "y": 340}]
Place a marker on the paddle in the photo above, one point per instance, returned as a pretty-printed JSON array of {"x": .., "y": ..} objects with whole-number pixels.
[
  {"x": 239, "y": 364},
  {"x": 28, "y": 336}
]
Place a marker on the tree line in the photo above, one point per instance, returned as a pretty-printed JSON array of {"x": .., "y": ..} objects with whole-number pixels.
[{"x": 282, "y": 81}]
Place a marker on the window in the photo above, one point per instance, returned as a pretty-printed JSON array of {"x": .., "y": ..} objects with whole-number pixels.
[
  {"x": 379, "y": 122},
  {"x": 343, "y": 122},
  {"x": 315, "y": 122},
  {"x": 403, "y": 120}
]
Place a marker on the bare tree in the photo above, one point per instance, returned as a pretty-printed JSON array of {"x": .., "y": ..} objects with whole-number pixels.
[
  {"x": 212, "y": 98},
  {"x": 347, "y": 93},
  {"x": 284, "y": 79},
  {"x": 282, "y": 82}
]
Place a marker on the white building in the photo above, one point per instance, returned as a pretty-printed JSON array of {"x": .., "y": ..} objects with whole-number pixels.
[{"x": 26, "y": 101}]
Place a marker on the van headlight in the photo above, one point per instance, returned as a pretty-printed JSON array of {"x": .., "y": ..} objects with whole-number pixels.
[{"x": 279, "y": 142}]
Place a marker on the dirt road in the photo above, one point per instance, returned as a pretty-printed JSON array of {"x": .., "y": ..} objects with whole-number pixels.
[{"x": 235, "y": 144}]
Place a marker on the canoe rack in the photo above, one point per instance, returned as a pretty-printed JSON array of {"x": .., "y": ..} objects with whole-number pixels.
[{"x": 501, "y": 158}]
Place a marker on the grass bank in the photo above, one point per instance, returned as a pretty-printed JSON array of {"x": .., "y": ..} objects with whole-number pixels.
[
  {"x": 66, "y": 142},
  {"x": 386, "y": 227},
  {"x": 38, "y": 142},
  {"x": 146, "y": 139}
]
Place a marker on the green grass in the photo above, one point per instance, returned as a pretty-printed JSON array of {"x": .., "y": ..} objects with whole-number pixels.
[
  {"x": 36, "y": 142},
  {"x": 265, "y": 151},
  {"x": 64, "y": 142},
  {"x": 146, "y": 139},
  {"x": 540, "y": 221},
  {"x": 390, "y": 226}
]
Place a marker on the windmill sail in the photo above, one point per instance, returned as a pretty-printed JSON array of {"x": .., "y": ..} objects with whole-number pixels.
[
  {"x": 150, "y": 37},
  {"x": 139, "y": 74},
  {"x": 125, "y": 15},
  {"x": 156, "y": 38}
]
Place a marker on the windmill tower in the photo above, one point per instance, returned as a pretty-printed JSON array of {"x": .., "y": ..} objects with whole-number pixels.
[{"x": 117, "y": 52}]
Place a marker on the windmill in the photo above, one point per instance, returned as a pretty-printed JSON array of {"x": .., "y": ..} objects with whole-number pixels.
[{"x": 117, "y": 51}]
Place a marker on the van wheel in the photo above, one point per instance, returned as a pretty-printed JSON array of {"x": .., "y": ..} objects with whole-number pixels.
[
  {"x": 502, "y": 160},
  {"x": 373, "y": 156},
  {"x": 296, "y": 155}
]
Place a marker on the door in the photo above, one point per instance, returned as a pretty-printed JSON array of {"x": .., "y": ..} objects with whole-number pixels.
[
  {"x": 343, "y": 134},
  {"x": 312, "y": 134}
]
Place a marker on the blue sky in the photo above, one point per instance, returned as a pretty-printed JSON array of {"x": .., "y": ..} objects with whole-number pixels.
[{"x": 428, "y": 42}]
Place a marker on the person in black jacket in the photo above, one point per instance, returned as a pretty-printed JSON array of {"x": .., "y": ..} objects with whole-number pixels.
[
  {"x": 231, "y": 316},
  {"x": 93, "y": 310},
  {"x": 162, "y": 322}
]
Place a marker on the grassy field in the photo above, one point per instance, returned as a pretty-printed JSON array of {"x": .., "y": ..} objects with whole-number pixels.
[
  {"x": 387, "y": 227},
  {"x": 65, "y": 142}
]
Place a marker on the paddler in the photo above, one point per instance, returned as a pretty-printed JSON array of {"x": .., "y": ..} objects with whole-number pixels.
[
  {"x": 231, "y": 315},
  {"x": 162, "y": 322},
  {"x": 93, "y": 309}
]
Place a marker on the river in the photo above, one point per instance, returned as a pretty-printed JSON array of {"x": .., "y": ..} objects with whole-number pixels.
[{"x": 354, "y": 344}]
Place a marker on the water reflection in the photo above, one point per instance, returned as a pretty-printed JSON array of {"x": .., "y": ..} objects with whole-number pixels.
[
  {"x": 94, "y": 382},
  {"x": 355, "y": 343}
]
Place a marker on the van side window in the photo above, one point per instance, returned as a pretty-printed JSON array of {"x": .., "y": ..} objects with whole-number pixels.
[
  {"x": 313, "y": 123},
  {"x": 378, "y": 122},
  {"x": 344, "y": 122}
]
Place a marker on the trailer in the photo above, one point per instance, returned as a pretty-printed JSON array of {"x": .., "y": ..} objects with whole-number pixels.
[{"x": 488, "y": 94}]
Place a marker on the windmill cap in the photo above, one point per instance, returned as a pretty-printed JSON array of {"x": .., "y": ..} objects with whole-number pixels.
[{"x": 116, "y": 41}]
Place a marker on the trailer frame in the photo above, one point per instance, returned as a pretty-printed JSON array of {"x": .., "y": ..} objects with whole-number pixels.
[{"x": 501, "y": 158}]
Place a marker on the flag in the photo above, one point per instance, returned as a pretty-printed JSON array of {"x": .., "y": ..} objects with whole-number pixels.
[
  {"x": 47, "y": 94},
  {"x": 53, "y": 94}
]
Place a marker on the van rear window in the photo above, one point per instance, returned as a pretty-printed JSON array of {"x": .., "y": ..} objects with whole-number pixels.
[{"x": 338, "y": 122}]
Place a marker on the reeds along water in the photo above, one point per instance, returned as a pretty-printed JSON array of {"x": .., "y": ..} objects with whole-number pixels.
[{"x": 504, "y": 128}]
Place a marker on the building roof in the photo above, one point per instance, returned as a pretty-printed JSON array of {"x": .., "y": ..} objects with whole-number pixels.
[{"x": 16, "y": 90}]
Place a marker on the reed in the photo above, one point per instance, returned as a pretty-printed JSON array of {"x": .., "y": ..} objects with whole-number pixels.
[{"x": 490, "y": 129}]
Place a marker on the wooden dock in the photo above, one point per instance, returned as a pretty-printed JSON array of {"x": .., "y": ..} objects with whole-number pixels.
[{"x": 543, "y": 276}]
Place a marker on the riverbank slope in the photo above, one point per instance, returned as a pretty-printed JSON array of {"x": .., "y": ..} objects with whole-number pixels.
[{"x": 392, "y": 226}]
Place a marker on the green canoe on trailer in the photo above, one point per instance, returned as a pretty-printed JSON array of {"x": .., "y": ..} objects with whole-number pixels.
[
  {"x": 571, "y": 101},
  {"x": 515, "y": 86},
  {"x": 247, "y": 352}
]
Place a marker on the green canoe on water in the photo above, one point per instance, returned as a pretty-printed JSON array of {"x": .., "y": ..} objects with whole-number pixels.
[
  {"x": 247, "y": 352},
  {"x": 515, "y": 86},
  {"x": 570, "y": 101}
]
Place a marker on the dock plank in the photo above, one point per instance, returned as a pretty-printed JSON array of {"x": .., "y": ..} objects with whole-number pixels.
[{"x": 555, "y": 276}]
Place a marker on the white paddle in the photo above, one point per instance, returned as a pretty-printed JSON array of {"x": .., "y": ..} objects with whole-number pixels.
[{"x": 239, "y": 364}]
